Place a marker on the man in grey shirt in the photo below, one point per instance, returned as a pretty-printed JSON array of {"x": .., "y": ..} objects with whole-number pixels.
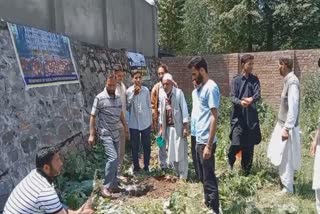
[{"x": 107, "y": 106}]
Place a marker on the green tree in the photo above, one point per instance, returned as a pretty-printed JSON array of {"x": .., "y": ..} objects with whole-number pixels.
[
  {"x": 237, "y": 26},
  {"x": 296, "y": 24},
  {"x": 199, "y": 24},
  {"x": 170, "y": 24},
  {"x": 220, "y": 26}
]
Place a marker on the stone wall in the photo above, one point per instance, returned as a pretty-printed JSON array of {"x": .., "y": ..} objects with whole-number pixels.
[
  {"x": 222, "y": 69},
  {"x": 48, "y": 115}
]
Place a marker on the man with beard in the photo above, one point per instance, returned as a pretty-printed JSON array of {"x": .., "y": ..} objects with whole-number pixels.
[
  {"x": 245, "y": 128},
  {"x": 155, "y": 98},
  {"x": 173, "y": 121},
  {"x": 108, "y": 107},
  {"x": 284, "y": 149},
  {"x": 36, "y": 193},
  {"x": 208, "y": 95}
]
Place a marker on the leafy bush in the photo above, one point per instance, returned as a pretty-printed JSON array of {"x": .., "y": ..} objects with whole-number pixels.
[
  {"x": 310, "y": 111},
  {"x": 76, "y": 182}
]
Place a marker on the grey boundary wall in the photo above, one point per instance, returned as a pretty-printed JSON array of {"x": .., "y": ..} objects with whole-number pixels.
[{"x": 129, "y": 24}]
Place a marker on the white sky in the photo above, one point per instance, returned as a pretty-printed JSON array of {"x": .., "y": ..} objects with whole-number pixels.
[{"x": 150, "y": 2}]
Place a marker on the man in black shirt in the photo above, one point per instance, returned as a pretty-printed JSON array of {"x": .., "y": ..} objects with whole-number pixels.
[{"x": 245, "y": 128}]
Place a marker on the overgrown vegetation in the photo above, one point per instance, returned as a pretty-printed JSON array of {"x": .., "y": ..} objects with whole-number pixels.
[
  {"x": 255, "y": 193},
  {"x": 218, "y": 26}
]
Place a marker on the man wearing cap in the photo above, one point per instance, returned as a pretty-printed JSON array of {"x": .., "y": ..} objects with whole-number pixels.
[
  {"x": 245, "y": 128},
  {"x": 156, "y": 93},
  {"x": 173, "y": 121},
  {"x": 284, "y": 149}
]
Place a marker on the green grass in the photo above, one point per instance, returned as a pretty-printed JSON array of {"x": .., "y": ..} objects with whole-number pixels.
[{"x": 256, "y": 193}]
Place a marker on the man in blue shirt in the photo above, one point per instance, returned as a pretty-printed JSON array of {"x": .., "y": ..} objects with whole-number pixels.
[{"x": 208, "y": 95}]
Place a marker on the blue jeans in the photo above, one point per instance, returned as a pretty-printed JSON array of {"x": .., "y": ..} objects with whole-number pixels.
[
  {"x": 146, "y": 144},
  {"x": 111, "y": 150}
]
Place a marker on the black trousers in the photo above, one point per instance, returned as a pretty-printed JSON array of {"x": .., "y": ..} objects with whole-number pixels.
[
  {"x": 146, "y": 143},
  {"x": 194, "y": 155},
  {"x": 206, "y": 171},
  {"x": 246, "y": 159}
]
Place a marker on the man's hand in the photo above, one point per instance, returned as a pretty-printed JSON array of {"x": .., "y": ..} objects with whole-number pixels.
[
  {"x": 207, "y": 152},
  {"x": 313, "y": 147},
  {"x": 249, "y": 100},
  {"x": 160, "y": 131},
  {"x": 244, "y": 103},
  {"x": 285, "y": 134},
  {"x": 126, "y": 132},
  {"x": 185, "y": 132},
  {"x": 86, "y": 208},
  {"x": 137, "y": 90},
  {"x": 91, "y": 139}
]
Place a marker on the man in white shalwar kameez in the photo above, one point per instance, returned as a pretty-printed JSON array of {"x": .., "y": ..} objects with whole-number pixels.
[
  {"x": 315, "y": 150},
  {"x": 284, "y": 148},
  {"x": 173, "y": 121}
]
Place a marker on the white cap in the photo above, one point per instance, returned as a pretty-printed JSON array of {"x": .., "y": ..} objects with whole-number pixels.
[{"x": 167, "y": 76}]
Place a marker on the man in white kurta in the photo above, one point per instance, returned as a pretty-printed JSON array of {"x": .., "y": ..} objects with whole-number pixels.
[
  {"x": 284, "y": 148},
  {"x": 315, "y": 150},
  {"x": 174, "y": 125}
]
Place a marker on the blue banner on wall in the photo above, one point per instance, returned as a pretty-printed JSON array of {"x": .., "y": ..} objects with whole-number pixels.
[
  {"x": 138, "y": 62},
  {"x": 44, "y": 58}
]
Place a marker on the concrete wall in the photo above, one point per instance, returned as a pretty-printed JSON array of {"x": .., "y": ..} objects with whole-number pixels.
[
  {"x": 30, "y": 12},
  {"x": 121, "y": 33},
  {"x": 128, "y": 24},
  {"x": 83, "y": 20}
]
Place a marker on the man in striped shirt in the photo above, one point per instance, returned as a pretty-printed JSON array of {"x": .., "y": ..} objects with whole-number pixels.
[
  {"x": 108, "y": 107},
  {"x": 36, "y": 193}
]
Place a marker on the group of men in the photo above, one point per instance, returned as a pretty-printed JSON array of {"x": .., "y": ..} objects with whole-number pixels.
[
  {"x": 284, "y": 149},
  {"x": 165, "y": 111}
]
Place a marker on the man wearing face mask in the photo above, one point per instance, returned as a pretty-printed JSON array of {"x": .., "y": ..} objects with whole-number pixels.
[
  {"x": 284, "y": 149},
  {"x": 173, "y": 121},
  {"x": 245, "y": 128},
  {"x": 108, "y": 107},
  {"x": 208, "y": 95}
]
